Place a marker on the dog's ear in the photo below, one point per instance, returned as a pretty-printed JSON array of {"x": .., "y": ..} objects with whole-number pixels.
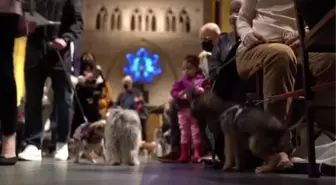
[{"x": 99, "y": 123}]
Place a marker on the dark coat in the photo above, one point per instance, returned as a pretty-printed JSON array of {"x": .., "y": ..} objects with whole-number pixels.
[
  {"x": 223, "y": 69},
  {"x": 69, "y": 14}
]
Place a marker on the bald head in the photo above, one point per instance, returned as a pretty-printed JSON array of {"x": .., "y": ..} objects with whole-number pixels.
[{"x": 209, "y": 31}]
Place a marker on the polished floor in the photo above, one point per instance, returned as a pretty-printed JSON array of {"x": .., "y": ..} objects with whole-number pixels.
[{"x": 49, "y": 172}]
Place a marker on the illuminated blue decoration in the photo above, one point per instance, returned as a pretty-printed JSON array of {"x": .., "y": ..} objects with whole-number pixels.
[{"x": 142, "y": 66}]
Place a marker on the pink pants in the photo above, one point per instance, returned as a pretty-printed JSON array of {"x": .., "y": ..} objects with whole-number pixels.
[{"x": 188, "y": 127}]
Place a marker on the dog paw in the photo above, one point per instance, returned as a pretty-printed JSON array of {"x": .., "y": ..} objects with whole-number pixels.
[
  {"x": 227, "y": 167},
  {"x": 93, "y": 161},
  {"x": 115, "y": 163},
  {"x": 264, "y": 169},
  {"x": 76, "y": 161},
  {"x": 134, "y": 163},
  {"x": 237, "y": 169}
]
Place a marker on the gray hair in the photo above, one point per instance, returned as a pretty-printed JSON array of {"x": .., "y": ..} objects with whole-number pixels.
[
  {"x": 127, "y": 79},
  {"x": 212, "y": 27}
]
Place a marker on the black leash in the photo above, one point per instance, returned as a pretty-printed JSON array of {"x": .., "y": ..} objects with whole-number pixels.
[{"x": 72, "y": 87}]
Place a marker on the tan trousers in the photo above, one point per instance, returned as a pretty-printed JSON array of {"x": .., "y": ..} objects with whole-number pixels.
[{"x": 279, "y": 65}]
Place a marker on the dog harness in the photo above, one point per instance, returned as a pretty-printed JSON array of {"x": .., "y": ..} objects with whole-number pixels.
[
  {"x": 85, "y": 132},
  {"x": 236, "y": 110}
]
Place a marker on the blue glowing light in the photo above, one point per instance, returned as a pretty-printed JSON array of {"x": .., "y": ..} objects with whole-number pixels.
[{"x": 142, "y": 66}]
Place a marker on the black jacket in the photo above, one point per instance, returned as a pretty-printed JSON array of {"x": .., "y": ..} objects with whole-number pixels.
[
  {"x": 223, "y": 69},
  {"x": 69, "y": 13}
]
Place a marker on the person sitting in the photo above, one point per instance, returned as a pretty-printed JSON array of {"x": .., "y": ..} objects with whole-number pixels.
[
  {"x": 216, "y": 47},
  {"x": 270, "y": 44},
  {"x": 208, "y": 35}
]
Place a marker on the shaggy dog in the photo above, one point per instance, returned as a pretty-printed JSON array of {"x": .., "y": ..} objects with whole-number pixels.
[
  {"x": 122, "y": 137},
  {"x": 88, "y": 141},
  {"x": 245, "y": 130}
]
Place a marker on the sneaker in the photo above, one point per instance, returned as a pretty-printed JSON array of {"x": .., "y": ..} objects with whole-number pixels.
[
  {"x": 62, "y": 152},
  {"x": 31, "y": 153}
]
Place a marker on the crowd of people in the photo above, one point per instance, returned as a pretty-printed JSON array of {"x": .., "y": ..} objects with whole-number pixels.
[
  {"x": 268, "y": 42},
  {"x": 52, "y": 51}
]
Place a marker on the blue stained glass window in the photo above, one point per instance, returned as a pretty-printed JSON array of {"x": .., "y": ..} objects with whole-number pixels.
[{"x": 142, "y": 66}]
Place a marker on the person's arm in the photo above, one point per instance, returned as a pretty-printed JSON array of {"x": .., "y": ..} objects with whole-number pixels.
[
  {"x": 72, "y": 21},
  {"x": 214, "y": 60},
  {"x": 245, "y": 17},
  {"x": 138, "y": 96},
  {"x": 176, "y": 89},
  {"x": 119, "y": 99},
  {"x": 106, "y": 98}
]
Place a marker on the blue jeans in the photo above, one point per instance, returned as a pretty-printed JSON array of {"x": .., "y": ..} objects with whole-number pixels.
[{"x": 35, "y": 78}]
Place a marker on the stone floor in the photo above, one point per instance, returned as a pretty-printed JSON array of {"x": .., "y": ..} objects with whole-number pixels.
[{"x": 49, "y": 172}]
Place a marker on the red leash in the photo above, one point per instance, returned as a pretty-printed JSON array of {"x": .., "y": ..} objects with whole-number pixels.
[{"x": 317, "y": 88}]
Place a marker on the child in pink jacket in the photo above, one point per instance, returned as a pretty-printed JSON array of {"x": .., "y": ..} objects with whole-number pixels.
[{"x": 188, "y": 124}]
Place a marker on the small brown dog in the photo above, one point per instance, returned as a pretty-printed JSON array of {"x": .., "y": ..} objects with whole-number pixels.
[{"x": 89, "y": 140}]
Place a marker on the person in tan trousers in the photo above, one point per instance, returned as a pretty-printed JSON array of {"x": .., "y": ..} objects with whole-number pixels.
[{"x": 270, "y": 44}]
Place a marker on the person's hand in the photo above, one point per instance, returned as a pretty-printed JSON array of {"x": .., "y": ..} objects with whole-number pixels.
[
  {"x": 89, "y": 76},
  {"x": 81, "y": 81},
  {"x": 199, "y": 90},
  {"x": 253, "y": 39},
  {"x": 137, "y": 99},
  {"x": 294, "y": 43},
  {"x": 58, "y": 43},
  {"x": 182, "y": 95}
]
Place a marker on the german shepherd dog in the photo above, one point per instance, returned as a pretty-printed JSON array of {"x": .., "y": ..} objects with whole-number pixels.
[{"x": 244, "y": 128}]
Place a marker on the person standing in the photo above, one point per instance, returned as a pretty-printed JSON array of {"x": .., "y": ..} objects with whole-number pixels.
[
  {"x": 188, "y": 124},
  {"x": 132, "y": 98},
  {"x": 42, "y": 61},
  {"x": 89, "y": 93},
  {"x": 10, "y": 13}
]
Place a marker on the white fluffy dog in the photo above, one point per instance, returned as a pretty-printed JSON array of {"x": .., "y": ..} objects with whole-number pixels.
[{"x": 122, "y": 138}]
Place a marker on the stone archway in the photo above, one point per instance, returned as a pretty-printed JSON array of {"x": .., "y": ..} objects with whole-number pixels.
[{"x": 160, "y": 87}]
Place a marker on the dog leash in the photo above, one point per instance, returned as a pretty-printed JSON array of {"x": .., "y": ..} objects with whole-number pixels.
[{"x": 72, "y": 86}]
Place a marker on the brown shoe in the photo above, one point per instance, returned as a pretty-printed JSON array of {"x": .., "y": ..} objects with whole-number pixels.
[{"x": 172, "y": 157}]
